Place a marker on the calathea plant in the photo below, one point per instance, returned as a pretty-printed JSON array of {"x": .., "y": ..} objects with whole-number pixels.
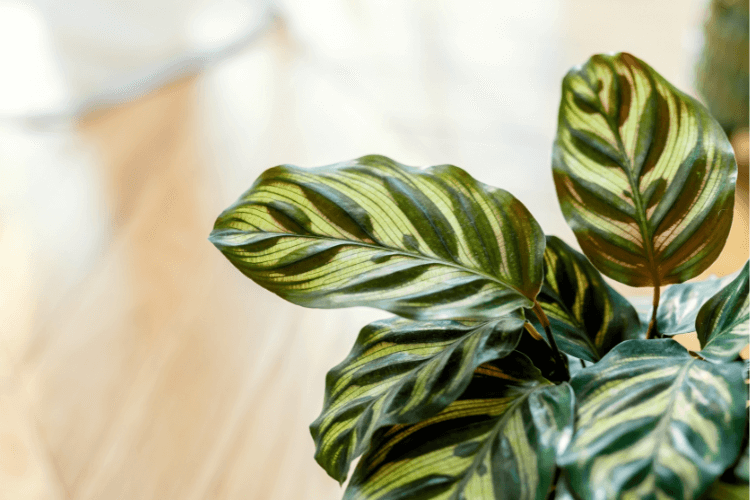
[{"x": 467, "y": 393}]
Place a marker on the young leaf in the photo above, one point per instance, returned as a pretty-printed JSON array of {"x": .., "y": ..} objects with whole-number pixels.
[
  {"x": 653, "y": 422},
  {"x": 423, "y": 244},
  {"x": 679, "y": 305},
  {"x": 401, "y": 372},
  {"x": 645, "y": 176},
  {"x": 722, "y": 323},
  {"x": 588, "y": 317},
  {"x": 497, "y": 441}
]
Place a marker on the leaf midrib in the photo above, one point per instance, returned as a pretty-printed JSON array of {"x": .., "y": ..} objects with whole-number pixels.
[
  {"x": 479, "y": 456},
  {"x": 640, "y": 213},
  {"x": 389, "y": 415},
  {"x": 663, "y": 427},
  {"x": 400, "y": 252}
]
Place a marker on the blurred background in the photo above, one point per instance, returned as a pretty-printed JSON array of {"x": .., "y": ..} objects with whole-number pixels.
[{"x": 135, "y": 362}]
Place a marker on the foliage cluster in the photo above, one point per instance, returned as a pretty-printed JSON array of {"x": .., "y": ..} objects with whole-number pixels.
[{"x": 512, "y": 369}]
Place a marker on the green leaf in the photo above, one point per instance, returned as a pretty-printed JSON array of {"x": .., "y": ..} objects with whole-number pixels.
[
  {"x": 722, "y": 323},
  {"x": 679, "y": 305},
  {"x": 497, "y": 441},
  {"x": 562, "y": 490},
  {"x": 402, "y": 371},
  {"x": 653, "y": 422},
  {"x": 423, "y": 244},
  {"x": 588, "y": 317},
  {"x": 574, "y": 364},
  {"x": 645, "y": 176},
  {"x": 543, "y": 358}
]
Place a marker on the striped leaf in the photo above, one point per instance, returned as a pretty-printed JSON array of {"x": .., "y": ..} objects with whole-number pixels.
[
  {"x": 722, "y": 323},
  {"x": 652, "y": 422},
  {"x": 679, "y": 305},
  {"x": 497, "y": 441},
  {"x": 588, "y": 317},
  {"x": 424, "y": 244},
  {"x": 645, "y": 176},
  {"x": 402, "y": 371}
]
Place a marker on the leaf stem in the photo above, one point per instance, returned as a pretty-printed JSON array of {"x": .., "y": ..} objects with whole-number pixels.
[
  {"x": 653, "y": 330},
  {"x": 532, "y": 331},
  {"x": 553, "y": 486},
  {"x": 539, "y": 312}
]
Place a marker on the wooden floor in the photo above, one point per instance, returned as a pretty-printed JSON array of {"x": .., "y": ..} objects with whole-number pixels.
[{"x": 165, "y": 374}]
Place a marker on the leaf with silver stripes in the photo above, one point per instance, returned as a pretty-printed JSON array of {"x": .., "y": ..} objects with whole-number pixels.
[
  {"x": 653, "y": 422},
  {"x": 497, "y": 441},
  {"x": 402, "y": 371},
  {"x": 644, "y": 175},
  {"x": 424, "y": 244},
  {"x": 588, "y": 317},
  {"x": 722, "y": 323},
  {"x": 679, "y": 305}
]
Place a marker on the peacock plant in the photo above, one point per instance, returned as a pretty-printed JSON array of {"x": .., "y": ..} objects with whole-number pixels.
[{"x": 467, "y": 392}]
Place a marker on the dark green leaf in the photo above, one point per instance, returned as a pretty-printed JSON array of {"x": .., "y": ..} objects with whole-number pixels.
[
  {"x": 562, "y": 490},
  {"x": 401, "y": 372},
  {"x": 654, "y": 422},
  {"x": 645, "y": 176},
  {"x": 722, "y": 323},
  {"x": 679, "y": 305},
  {"x": 497, "y": 441},
  {"x": 542, "y": 357},
  {"x": 588, "y": 317},
  {"x": 425, "y": 244}
]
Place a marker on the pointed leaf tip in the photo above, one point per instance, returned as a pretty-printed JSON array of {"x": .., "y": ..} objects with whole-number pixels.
[
  {"x": 723, "y": 323},
  {"x": 428, "y": 244}
]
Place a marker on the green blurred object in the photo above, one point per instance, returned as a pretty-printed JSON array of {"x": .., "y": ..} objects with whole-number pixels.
[
  {"x": 725, "y": 491},
  {"x": 723, "y": 65}
]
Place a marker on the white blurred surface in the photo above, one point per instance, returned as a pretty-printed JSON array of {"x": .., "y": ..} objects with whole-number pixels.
[{"x": 64, "y": 57}]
